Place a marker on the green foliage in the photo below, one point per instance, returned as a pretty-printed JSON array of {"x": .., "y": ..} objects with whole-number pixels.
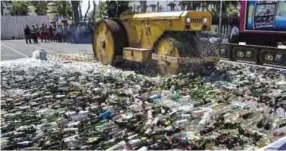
[
  {"x": 20, "y": 8},
  {"x": 64, "y": 8},
  {"x": 229, "y": 10},
  {"x": 41, "y": 8},
  {"x": 102, "y": 10},
  {"x": 122, "y": 6}
]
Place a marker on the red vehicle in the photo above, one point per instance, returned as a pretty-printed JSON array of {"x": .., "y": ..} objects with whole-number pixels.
[{"x": 262, "y": 29}]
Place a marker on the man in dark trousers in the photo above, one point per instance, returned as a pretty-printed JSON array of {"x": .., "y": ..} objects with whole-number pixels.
[
  {"x": 234, "y": 35},
  {"x": 34, "y": 34},
  {"x": 27, "y": 33},
  {"x": 42, "y": 33},
  {"x": 51, "y": 33}
]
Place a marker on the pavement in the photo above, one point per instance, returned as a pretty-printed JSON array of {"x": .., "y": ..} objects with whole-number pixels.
[{"x": 16, "y": 49}]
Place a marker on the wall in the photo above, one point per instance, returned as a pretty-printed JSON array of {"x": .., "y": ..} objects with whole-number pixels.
[{"x": 13, "y": 26}]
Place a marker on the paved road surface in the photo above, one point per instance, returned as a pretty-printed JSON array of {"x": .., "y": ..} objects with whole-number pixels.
[{"x": 15, "y": 49}]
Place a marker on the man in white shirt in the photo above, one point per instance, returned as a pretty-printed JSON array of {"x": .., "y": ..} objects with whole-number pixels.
[{"x": 234, "y": 34}]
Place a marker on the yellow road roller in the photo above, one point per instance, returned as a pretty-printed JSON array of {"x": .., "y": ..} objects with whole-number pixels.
[{"x": 166, "y": 38}]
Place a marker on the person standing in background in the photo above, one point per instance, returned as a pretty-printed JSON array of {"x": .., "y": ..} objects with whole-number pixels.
[
  {"x": 37, "y": 31},
  {"x": 42, "y": 32},
  {"x": 77, "y": 34},
  {"x": 70, "y": 35},
  {"x": 34, "y": 34},
  {"x": 59, "y": 33},
  {"x": 51, "y": 33},
  {"x": 46, "y": 33},
  {"x": 234, "y": 35},
  {"x": 54, "y": 32},
  {"x": 27, "y": 33},
  {"x": 65, "y": 32}
]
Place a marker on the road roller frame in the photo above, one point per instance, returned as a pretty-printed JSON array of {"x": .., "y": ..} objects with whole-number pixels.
[
  {"x": 254, "y": 53},
  {"x": 152, "y": 36}
]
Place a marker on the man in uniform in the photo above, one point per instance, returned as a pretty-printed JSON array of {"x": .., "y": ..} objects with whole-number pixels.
[
  {"x": 27, "y": 33},
  {"x": 34, "y": 34}
]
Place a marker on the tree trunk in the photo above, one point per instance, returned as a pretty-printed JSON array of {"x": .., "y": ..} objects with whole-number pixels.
[
  {"x": 190, "y": 5},
  {"x": 80, "y": 12},
  {"x": 196, "y": 4},
  {"x": 86, "y": 10},
  {"x": 75, "y": 11},
  {"x": 94, "y": 11},
  {"x": 64, "y": 8},
  {"x": 182, "y": 6},
  {"x": 143, "y": 6}
]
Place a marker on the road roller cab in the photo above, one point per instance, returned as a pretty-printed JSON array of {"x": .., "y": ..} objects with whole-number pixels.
[{"x": 169, "y": 38}]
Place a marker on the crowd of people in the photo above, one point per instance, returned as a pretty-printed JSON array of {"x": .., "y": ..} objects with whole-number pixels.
[
  {"x": 45, "y": 33},
  {"x": 56, "y": 33}
]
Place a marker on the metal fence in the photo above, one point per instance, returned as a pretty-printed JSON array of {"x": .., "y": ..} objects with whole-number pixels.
[
  {"x": 12, "y": 27},
  {"x": 226, "y": 29}
]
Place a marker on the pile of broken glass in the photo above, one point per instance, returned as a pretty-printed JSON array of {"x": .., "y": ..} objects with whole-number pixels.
[{"x": 84, "y": 106}]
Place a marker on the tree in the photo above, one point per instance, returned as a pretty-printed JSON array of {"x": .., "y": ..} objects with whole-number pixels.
[
  {"x": 229, "y": 11},
  {"x": 192, "y": 5},
  {"x": 183, "y": 4},
  {"x": 20, "y": 8},
  {"x": 158, "y": 7},
  {"x": 102, "y": 9},
  {"x": 122, "y": 6},
  {"x": 94, "y": 14},
  {"x": 143, "y": 5},
  {"x": 94, "y": 11},
  {"x": 75, "y": 8},
  {"x": 88, "y": 7},
  {"x": 41, "y": 8},
  {"x": 64, "y": 8},
  {"x": 153, "y": 6},
  {"x": 172, "y": 6},
  {"x": 79, "y": 9},
  {"x": 3, "y": 4}
]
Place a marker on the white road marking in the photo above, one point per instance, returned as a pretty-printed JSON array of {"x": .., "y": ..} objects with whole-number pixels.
[
  {"x": 14, "y": 50},
  {"x": 37, "y": 47}
]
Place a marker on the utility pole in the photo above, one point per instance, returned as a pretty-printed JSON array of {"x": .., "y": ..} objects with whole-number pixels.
[
  {"x": 99, "y": 7},
  {"x": 220, "y": 19}
]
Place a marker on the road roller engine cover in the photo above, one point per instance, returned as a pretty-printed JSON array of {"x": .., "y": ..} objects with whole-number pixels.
[{"x": 167, "y": 39}]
